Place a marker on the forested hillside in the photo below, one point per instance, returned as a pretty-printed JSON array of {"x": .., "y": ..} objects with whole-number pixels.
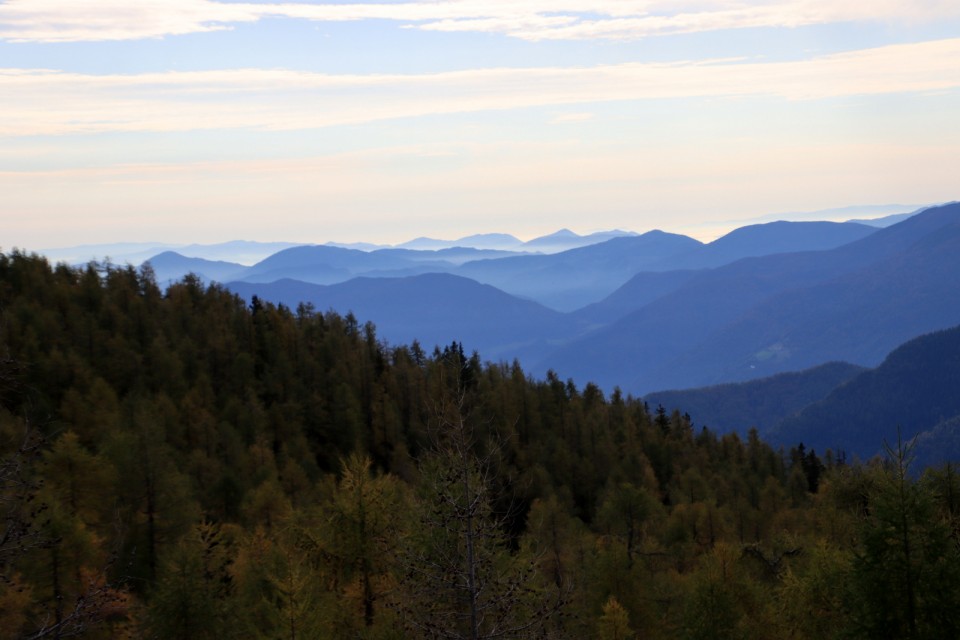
[
  {"x": 845, "y": 407},
  {"x": 762, "y": 404},
  {"x": 914, "y": 388},
  {"x": 182, "y": 464}
]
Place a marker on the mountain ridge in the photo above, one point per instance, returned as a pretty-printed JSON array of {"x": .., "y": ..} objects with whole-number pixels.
[
  {"x": 666, "y": 342},
  {"x": 437, "y": 309}
]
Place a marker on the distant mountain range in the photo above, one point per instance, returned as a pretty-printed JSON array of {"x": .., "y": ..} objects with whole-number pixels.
[
  {"x": 244, "y": 252},
  {"x": 784, "y": 312},
  {"x": 237, "y": 251},
  {"x": 571, "y": 279},
  {"x": 564, "y": 281},
  {"x": 885, "y": 221},
  {"x": 561, "y": 240}
]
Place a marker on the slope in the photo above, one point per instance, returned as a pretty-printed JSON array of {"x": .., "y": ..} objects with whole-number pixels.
[
  {"x": 762, "y": 404},
  {"x": 638, "y": 291},
  {"x": 434, "y": 309},
  {"x": 858, "y": 317},
  {"x": 750, "y": 241},
  {"x": 772, "y": 238},
  {"x": 691, "y": 336},
  {"x": 170, "y": 265},
  {"x": 328, "y": 265},
  {"x": 915, "y": 388},
  {"x": 571, "y": 279}
]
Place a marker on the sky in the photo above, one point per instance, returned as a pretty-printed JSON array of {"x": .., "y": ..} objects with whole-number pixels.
[{"x": 205, "y": 121}]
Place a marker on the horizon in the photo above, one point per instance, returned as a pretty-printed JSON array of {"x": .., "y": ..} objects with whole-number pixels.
[
  {"x": 714, "y": 231},
  {"x": 200, "y": 121},
  {"x": 124, "y": 251}
]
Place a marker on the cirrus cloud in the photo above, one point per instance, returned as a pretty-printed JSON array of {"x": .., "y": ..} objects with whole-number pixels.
[{"x": 94, "y": 20}]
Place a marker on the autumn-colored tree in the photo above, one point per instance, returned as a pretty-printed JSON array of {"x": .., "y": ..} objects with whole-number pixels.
[
  {"x": 184, "y": 462},
  {"x": 460, "y": 577},
  {"x": 362, "y": 524},
  {"x": 193, "y": 599},
  {"x": 614, "y": 624}
]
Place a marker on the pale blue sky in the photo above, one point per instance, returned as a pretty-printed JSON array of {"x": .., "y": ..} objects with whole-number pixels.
[{"x": 205, "y": 121}]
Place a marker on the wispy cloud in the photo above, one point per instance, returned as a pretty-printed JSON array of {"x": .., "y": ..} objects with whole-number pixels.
[
  {"x": 49, "y": 102},
  {"x": 88, "y": 20},
  {"x": 565, "y": 118}
]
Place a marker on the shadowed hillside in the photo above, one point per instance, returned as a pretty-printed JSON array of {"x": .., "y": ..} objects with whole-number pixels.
[
  {"x": 760, "y": 404},
  {"x": 433, "y": 309},
  {"x": 914, "y": 389}
]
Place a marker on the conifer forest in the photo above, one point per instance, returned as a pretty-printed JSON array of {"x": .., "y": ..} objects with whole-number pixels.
[{"x": 179, "y": 464}]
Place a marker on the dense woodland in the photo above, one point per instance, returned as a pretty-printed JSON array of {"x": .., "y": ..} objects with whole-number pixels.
[{"x": 180, "y": 464}]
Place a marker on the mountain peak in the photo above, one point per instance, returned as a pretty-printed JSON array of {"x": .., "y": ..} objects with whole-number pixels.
[
  {"x": 560, "y": 235},
  {"x": 489, "y": 241}
]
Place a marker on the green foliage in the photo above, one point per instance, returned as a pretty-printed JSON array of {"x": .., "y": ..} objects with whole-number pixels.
[
  {"x": 714, "y": 604},
  {"x": 906, "y": 576},
  {"x": 460, "y": 579},
  {"x": 193, "y": 597},
  {"x": 811, "y": 604}
]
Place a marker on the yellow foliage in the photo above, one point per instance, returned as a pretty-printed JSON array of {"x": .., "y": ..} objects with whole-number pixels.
[{"x": 614, "y": 624}]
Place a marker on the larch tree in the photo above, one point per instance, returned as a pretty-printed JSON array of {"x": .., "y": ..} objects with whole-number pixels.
[
  {"x": 460, "y": 578},
  {"x": 905, "y": 576}
]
